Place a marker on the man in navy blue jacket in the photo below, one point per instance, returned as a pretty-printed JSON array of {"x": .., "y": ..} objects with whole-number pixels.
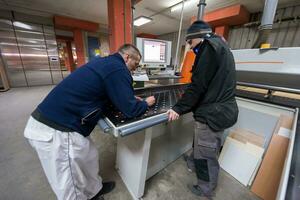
[{"x": 59, "y": 127}]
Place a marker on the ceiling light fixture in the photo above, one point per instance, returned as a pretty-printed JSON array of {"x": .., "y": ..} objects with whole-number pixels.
[
  {"x": 141, "y": 20},
  {"x": 179, "y": 5},
  {"x": 22, "y": 25}
]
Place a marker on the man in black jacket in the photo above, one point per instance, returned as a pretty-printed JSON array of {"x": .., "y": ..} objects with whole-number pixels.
[{"x": 211, "y": 98}]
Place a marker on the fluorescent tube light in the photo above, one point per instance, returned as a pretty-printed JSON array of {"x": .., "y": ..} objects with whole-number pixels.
[{"x": 141, "y": 20}]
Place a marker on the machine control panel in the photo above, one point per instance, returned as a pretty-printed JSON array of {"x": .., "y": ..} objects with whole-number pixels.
[{"x": 165, "y": 99}]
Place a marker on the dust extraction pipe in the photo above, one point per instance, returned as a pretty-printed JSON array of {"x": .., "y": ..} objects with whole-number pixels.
[
  {"x": 201, "y": 7},
  {"x": 266, "y": 22}
]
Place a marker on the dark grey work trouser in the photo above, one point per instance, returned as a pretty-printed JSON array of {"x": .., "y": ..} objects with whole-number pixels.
[{"x": 204, "y": 158}]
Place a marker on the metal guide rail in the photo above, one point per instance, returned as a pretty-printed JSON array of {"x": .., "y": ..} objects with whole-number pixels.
[{"x": 166, "y": 96}]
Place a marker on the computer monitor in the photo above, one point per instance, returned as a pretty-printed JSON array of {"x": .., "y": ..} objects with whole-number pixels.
[{"x": 155, "y": 53}]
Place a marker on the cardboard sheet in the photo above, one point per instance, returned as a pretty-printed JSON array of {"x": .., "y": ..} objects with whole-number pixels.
[{"x": 268, "y": 177}]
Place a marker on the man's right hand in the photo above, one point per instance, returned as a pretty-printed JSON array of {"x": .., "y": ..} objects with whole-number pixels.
[
  {"x": 172, "y": 115},
  {"x": 150, "y": 100}
]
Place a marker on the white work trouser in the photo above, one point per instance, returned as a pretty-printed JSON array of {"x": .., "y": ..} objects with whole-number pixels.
[{"x": 69, "y": 160}]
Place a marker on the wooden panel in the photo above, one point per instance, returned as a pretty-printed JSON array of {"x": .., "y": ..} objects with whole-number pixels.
[
  {"x": 263, "y": 91},
  {"x": 247, "y": 136},
  {"x": 268, "y": 178}
]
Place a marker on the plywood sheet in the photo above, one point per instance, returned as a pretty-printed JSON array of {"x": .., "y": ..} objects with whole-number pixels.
[
  {"x": 264, "y": 91},
  {"x": 245, "y": 136}
]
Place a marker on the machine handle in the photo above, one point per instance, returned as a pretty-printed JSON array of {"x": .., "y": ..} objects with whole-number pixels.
[
  {"x": 132, "y": 129},
  {"x": 104, "y": 126}
]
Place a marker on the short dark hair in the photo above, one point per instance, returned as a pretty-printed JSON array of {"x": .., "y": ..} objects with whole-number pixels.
[{"x": 129, "y": 49}]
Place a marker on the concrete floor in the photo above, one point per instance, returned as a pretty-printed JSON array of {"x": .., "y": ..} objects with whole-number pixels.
[{"x": 21, "y": 175}]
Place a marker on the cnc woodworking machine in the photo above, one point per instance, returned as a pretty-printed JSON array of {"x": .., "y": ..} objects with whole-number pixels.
[{"x": 268, "y": 87}]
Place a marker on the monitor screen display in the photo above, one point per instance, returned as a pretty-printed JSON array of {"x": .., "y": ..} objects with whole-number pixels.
[{"x": 154, "y": 51}]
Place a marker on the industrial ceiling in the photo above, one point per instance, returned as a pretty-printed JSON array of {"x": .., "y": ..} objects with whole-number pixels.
[{"x": 164, "y": 21}]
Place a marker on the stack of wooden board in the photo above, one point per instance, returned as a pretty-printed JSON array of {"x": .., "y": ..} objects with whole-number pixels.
[
  {"x": 242, "y": 154},
  {"x": 268, "y": 177},
  {"x": 254, "y": 164}
]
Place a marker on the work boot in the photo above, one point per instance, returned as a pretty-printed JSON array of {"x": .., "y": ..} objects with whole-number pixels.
[
  {"x": 98, "y": 198},
  {"x": 106, "y": 188},
  {"x": 196, "y": 190}
]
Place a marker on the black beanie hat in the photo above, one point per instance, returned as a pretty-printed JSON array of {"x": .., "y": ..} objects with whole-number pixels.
[{"x": 199, "y": 29}]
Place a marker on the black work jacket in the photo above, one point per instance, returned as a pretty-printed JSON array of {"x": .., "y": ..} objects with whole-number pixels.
[{"x": 211, "y": 94}]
